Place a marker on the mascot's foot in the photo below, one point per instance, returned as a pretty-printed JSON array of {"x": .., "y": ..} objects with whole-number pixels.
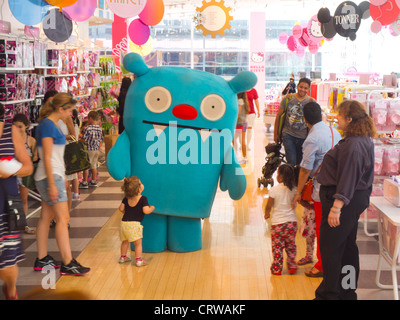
[
  {"x": 176, "y": 234},
  {"x": 184, "y": 234}
]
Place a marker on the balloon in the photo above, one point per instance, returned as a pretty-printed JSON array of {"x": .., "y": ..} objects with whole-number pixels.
[
  {"x": 292, "y": 43},
  {"x": 29, "y": 12},
  {"x": 314, "y": 29},
  {"x": 143, "y": 50},
  {"x": 297, "y": 31},
  {"x": 392, "y": 32},
  {"x": 397, "y": 3},
  {"x": 324, "y": 15},
  {"x": 82, "y": 10},
  {"x": 304, "y": 39},
  {"x": 300, "y": 51},
  {"x": 376, "y": 26},
  {"x": 283, "y": 37},
  {"x": 364, "y": 8},
  {"x": 352, "y": 35},
  {"x": 377, "y": 2},
  {"x": 56, "y": 26},
  {"x": 153, "y": 12},
  {"x": 62, "y": 3},
  {"x": 396, "y": 26},
  {"x": 386, "y": 13},
  {"x": 313, "y": 47},
  {"x": 129, "y": 9},
  {"x": 138, "y": 32},
  {"x": 347, "y": 18},
  {"x": 328, "y": 29}
]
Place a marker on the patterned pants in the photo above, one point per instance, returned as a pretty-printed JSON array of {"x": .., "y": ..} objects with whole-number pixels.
[{"x": 283, "y": 237}]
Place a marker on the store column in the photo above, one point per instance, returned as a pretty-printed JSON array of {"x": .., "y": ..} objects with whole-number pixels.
[{"x": 257, "y": 52}]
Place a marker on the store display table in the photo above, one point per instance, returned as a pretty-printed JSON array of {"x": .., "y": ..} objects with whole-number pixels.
[{"x": 389, "y": 240}]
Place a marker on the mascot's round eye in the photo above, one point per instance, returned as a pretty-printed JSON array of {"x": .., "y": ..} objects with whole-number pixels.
[
  {"x": 213, "y": 107},
  {"x": 158, "y": 99}
]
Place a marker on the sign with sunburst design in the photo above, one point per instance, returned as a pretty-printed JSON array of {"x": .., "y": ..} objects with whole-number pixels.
[{"x": 213, "y": 18}]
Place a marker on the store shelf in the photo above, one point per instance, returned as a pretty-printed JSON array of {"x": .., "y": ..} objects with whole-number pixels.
[
  {"x": 16, "y": 101},
  {"x": 8, "y": 69},
  {"x": 62, "y": 75}
]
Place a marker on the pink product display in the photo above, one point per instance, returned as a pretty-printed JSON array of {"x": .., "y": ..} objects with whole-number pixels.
[
  {"x": 378, "y": 167},
  {"x": 386, "y": 114},
  {"x": 27, "y": 56},
  {"x": 391, "y": 160}
]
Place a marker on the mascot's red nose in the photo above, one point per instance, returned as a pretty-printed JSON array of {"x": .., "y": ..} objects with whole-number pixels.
[{"x": 185, "y": 112}]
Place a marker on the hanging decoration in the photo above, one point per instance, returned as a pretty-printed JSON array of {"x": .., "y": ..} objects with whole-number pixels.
[
  {"x": 139, "y": 33},
  {"x": 56, "y": 26},
  {"x": 126, "y": 9},
  {"x": 82, "y": 10},
  {"x": 383, "y": 13},
  {"x": 29, "y": 12},
  {"x": 214, "y": 18},
  {"x": 153, "y": 12},
  {"x": 61, "y": 3}
]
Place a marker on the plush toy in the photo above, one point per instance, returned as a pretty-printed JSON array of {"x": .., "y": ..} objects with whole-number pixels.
[{"x": 179, "y": 125}]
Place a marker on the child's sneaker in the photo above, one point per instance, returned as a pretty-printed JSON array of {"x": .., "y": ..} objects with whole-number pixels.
[
  {"x": 76, "y": 197},
  {"x": 292, "y": 270},
  {"x": 93, "y": 184},
  {"x": 124, "y": 259},
  {"x": 140, "y": 262},
  {"x": 84, "y": 185}
]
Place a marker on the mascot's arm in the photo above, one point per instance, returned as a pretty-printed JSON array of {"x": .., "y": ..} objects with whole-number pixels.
[
  {"x": 119, "y": 158},
  {"x": 233, "y": 178}
]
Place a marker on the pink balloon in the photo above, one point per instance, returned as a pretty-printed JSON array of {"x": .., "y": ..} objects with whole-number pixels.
[
  {"x": 126, "y": 9},
  {"x": 138, "y": 32},
  {"x": 300, "y": 51},
  {"x": 313, "y": 47},
  {"x": 80, "y": 10},
  {"x": 304, "y": 40},
  {"x": 392, "y": 32},
  {"x": 283, "y": 37},
  {"x": 376, "y": 26},
  {"x": 297, "y": 31},
  {"x": 397, "y": 3},
  {"x": 153, "y": 12},
  {"x": 377, "y": 2},
  {"x": 292, "y": 43}
]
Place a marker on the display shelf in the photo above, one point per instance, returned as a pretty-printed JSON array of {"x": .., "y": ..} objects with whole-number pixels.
[
  {"x": 61, "y": 75},
  {"x": 17, "y": 101},
  {"x": 9, "y": 69}
]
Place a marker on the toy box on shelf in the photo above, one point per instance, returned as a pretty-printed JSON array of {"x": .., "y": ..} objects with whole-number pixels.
[{"x": 272, "y": 101}]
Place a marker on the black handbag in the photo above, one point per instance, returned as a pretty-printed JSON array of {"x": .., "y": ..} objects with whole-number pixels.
[
  {"x": 76, "y": 157},
  {"x": 15, "y": 212}
]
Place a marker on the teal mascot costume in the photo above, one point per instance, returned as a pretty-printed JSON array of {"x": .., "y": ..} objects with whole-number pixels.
[{"x": 179, "y": 125}]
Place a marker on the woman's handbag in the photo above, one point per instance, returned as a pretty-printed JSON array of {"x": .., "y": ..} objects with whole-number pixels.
[
  {"x": 15, "y": 211},
  {"x": 76, "y": 157},
  {"x": 29, "y": 181},
  {"x": 309, "y": 187},
  {"x": 282, "y": 118}
]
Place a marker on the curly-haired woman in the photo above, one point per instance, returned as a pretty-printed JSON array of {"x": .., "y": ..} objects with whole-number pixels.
[{"x": 346, "y": 178}]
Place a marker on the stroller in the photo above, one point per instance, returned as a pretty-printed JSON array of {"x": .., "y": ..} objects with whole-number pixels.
[{"x": 273, "y": 160}]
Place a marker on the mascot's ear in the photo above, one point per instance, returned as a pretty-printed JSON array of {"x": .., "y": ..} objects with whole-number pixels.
[
  {"x": 134, "y": 63},
  {"x": 244, "y": 81}
]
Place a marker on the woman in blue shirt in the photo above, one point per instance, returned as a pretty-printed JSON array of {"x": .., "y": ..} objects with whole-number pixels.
[{"x": 50, "y": 182}]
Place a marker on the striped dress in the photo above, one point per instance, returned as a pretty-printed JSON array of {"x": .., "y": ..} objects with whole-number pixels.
[{"x": 11, "y": 250}]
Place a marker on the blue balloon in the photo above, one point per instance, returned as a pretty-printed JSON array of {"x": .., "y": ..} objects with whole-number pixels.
[{"x": 29, "y": 12}]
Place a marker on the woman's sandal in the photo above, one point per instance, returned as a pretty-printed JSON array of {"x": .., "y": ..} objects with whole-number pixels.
[
  {"x": 304, "y": 261},
  {"x": 311, "y": 274},
  {"x": 29, "y": 230}
]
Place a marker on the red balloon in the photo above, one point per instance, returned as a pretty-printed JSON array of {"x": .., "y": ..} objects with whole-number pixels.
[
  {"x": 386, "y": 13},
  {"x": 291, "y": 43}
]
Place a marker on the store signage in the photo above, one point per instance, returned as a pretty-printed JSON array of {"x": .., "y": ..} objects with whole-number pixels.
[
  {"x": 213, "y": 18},
  {"x": 119, "y": 40},
  {"x": 347, "y": 19},
  {"x": 126, "y": 8}
]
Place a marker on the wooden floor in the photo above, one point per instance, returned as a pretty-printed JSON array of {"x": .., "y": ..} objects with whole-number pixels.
[{"x": 233, "y": 264}]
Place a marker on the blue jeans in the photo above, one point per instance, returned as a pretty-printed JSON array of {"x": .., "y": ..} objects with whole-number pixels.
[{"x": 293, "y": 149}]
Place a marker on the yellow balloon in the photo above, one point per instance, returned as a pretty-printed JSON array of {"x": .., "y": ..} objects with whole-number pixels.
[
  {"x": 144, "y": 49},
  {"x": 62, "y": 3},
  {"x": 322, "y": 42}
]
